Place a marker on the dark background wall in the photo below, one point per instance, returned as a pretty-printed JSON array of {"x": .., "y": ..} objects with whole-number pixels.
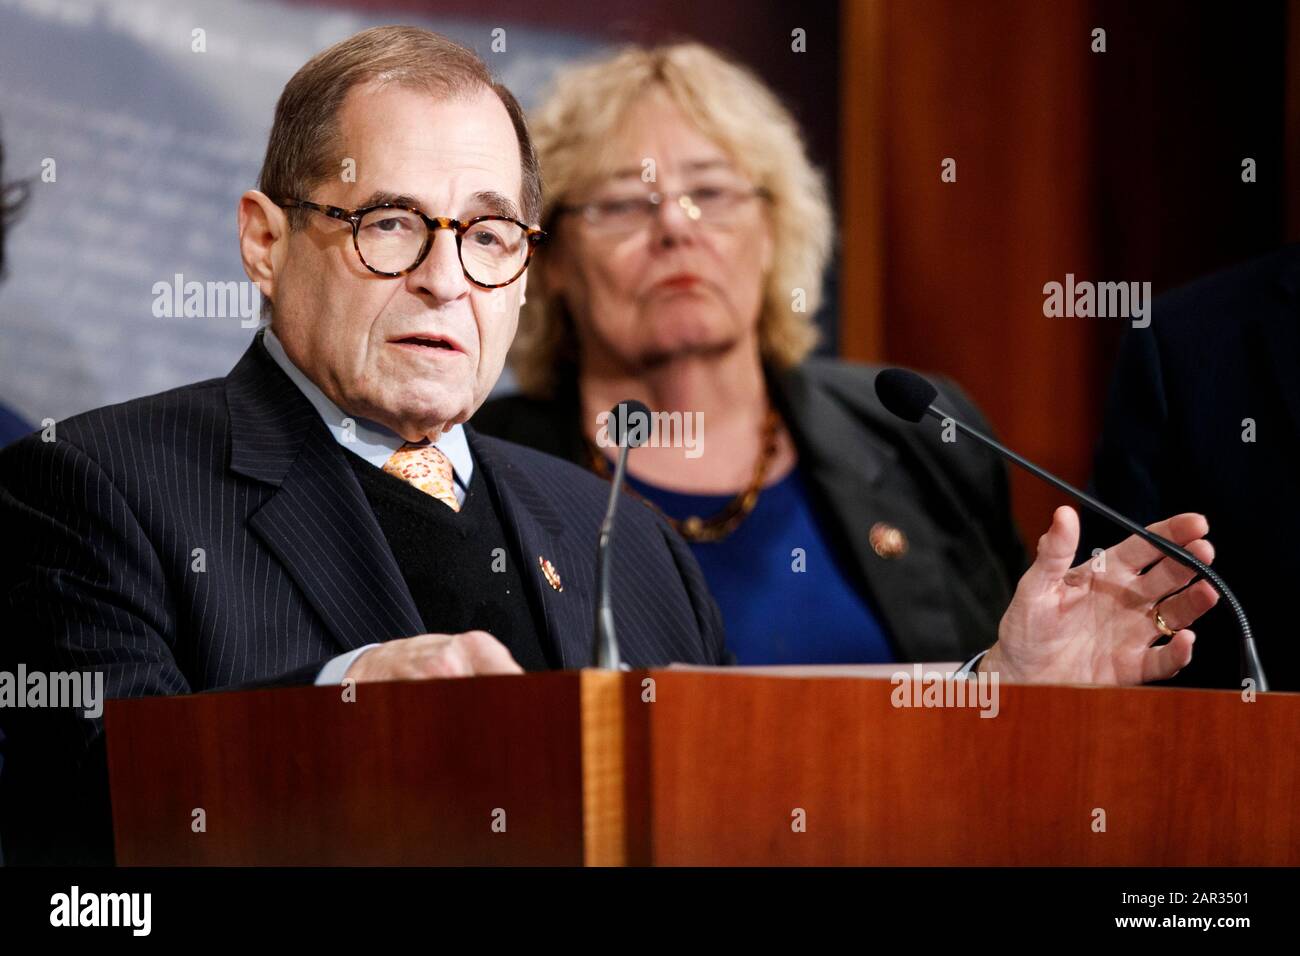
[
  {"x": 1123, "y": 165},
  {"x": 1115, "y": 166}
]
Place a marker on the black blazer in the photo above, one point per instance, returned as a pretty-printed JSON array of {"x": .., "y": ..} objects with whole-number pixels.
[
  {"x": 942, "y": 600},
  {"x": 103, "y": 529},
  {"x": 1218, "y": 351}
]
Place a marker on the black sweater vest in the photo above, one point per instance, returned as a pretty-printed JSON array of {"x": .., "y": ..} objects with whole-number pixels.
[{"x": 461, "y": 567}]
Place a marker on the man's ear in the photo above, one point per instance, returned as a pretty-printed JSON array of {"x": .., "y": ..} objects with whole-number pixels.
[{"x": 263, "y": 239}]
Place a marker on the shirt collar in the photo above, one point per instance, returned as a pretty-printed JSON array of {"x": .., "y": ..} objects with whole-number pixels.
[{"x": 371, "y": 440}]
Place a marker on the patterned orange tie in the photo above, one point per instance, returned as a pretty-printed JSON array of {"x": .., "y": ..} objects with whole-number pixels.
[{"x": 428, "y": 469}]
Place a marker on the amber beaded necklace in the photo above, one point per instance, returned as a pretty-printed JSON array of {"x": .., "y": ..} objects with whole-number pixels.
[{"x": 716, "y": 526}]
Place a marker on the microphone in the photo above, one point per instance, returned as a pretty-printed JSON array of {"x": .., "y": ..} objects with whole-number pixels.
[
  {"x": 629, "y": 426},
  {"x": 911, "y": 398}
]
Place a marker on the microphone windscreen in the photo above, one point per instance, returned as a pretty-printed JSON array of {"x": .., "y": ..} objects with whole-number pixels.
[
  {"x": 629, "y": 422},
  {"x": 905, "y": 393}
]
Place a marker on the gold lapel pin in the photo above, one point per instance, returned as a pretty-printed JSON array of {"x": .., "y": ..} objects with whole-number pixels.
[
  {"x": 887, "y": 541},
  {"x": 548, "y": 571}
]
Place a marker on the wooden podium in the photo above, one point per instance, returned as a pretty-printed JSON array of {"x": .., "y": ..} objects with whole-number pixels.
[{"x": 801, "y": 766}]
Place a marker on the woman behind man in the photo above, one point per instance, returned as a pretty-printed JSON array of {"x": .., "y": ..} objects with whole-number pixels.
[{"x": 690, "y": 233}]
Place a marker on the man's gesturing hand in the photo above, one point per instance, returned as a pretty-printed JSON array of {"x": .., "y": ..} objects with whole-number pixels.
[
  {"x": 1084, "y": 626},
  {"x": 434, "y": 655}
]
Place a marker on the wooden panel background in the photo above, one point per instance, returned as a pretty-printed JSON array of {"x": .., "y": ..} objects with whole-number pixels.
[{"x": 1115, "y": 166}]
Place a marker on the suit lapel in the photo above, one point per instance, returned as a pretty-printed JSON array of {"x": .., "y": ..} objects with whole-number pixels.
[
  {"x": 539, "y": 534},
  {"x": 317, "y": 522},
  {"x": 858, "y": 481}
]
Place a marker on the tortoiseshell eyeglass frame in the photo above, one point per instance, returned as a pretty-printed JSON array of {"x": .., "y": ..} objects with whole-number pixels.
[{"x": 532, "y": 234}]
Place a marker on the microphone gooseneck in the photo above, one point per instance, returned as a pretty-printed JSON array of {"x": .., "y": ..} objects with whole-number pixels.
[
  {"x": 911, "y": 397},
  {"x": 628, "y": 426}
]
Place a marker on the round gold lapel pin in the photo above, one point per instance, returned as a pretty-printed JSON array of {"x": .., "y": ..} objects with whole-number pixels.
[{"x": 887, "y": 541}]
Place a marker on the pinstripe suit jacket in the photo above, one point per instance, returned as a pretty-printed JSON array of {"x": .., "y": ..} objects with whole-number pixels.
[{"x": 215, "y": 536}]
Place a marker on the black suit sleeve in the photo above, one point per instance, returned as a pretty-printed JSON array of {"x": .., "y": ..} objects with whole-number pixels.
[
  {"x": 84, "y": 592},
  {"x": 87, "y": 591}
]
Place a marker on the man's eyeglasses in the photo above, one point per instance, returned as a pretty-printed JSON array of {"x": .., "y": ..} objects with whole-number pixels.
[
  {"x": 393, "y": 240},
  {"x": 708, "y": 205}
]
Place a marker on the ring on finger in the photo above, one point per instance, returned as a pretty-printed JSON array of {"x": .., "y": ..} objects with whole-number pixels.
[{"x": 1161, "y": 625}]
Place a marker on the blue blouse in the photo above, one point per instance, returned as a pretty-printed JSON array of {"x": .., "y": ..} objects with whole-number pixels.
[{"x": 784, "y": 600}]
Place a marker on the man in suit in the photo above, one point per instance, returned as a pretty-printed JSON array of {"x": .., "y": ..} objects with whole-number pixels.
[
  {"x": 1205, "y": 408},
  {"x": 284, "y": 524},
  {"x": 322, "y": 514}
]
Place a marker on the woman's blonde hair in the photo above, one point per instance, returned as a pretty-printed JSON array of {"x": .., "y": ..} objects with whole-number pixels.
[{"x": 738, "y": 112}]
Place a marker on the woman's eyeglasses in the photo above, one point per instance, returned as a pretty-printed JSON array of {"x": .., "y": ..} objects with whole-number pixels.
[{"x": 707, "y": 205}]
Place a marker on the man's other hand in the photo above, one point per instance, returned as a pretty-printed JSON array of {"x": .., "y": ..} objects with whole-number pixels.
[{"x": 434, "y": 655}]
